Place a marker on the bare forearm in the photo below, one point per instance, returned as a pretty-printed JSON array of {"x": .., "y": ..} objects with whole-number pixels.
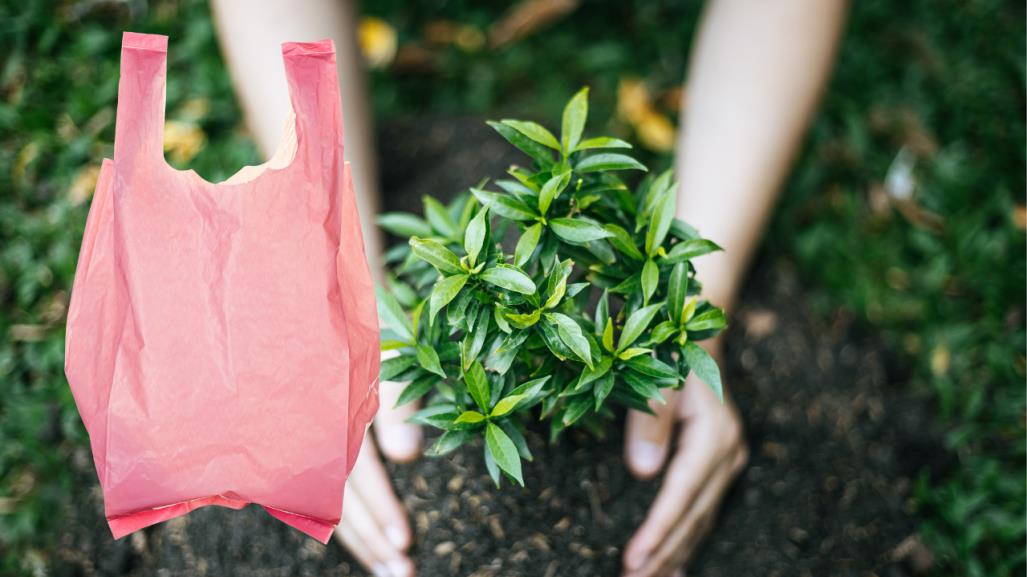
[
  {"x": 757, "y": 71},
  {"x": 251, "y": 32}
]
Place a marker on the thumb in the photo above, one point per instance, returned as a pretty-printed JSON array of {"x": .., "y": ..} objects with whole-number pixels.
[
  {"x": 398, "y": 440},
  {"x": 647, "y": 437}
]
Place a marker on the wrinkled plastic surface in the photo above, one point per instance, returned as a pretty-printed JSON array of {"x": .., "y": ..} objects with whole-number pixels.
[{"x": 222, "y": 342}]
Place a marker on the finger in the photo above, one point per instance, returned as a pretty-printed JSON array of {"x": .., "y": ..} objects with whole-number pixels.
[
  {"x": 371, "y": 481},
  {"x": 399, "y": 441},
  {"x": 689, "y": 470},
  {"x": 354, "y": 543},
  {"x": 679, "y": 545},
  {"x": 384, "y": 557},
  {"x": 647, "y": 438},
  {"x": 347, "y": 535}
]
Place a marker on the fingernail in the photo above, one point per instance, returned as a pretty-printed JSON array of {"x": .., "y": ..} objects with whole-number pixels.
[
  {"x": 399, "y": 568},
  {"x": 647, "y": 455},
  {"x": 396, "y": 536},
  {"x": 380, "y": 570}
]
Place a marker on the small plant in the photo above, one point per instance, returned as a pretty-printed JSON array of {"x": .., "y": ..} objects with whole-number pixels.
[{"x": 598, "y": 303}]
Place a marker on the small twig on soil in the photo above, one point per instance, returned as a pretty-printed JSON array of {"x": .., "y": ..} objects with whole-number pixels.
[{"x": 598, "y": 515}]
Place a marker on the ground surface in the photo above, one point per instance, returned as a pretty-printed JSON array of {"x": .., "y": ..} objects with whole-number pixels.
[{"x": 836, "y": 439}]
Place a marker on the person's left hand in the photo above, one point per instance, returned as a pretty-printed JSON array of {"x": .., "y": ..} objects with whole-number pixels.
[{"x": 710, "y": 453}]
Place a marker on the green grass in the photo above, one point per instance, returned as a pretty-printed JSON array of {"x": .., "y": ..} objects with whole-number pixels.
[{"x": 943, "y": 78}]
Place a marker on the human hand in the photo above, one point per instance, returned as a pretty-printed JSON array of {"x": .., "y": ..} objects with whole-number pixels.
[
  {"x": 711, "y": 452},
  {"x": 374, "y": 526}
]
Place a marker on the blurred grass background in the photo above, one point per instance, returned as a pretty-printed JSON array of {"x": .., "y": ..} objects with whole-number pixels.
[{"x": 906, "y": 209}]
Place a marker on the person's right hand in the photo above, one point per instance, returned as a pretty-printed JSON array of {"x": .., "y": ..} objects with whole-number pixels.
[{"x": 374, "y": 526}]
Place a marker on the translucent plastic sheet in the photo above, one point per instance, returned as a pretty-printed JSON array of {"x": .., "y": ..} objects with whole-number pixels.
[{"x": 222, "y": 342}]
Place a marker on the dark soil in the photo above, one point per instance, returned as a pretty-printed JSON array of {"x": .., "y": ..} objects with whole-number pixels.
[{"x": 836, "y": 439}]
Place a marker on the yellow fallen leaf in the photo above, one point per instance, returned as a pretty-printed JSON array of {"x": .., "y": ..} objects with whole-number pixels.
[
  {"x": 632, "y": 100},
  {"x": 940, "y": 358},
  {"x": 194, "y": 109},
  {"x": 25, "y": 157},
  {"x": 182, "y": 140},
  {"x": 469, "y": 39},
  {"x": 656, "y": 132},
  {"x": 377, "y": 41},
  {"x": 84, "y": 183}
]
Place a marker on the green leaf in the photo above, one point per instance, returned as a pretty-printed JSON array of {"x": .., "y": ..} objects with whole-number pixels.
[
  {"x": 392, "y": 316},
  {"x": 429, "y": 360},
  {"x": 436, "y": 254},
  {"x": 492, "y": 467},
  {"x": 500, "y": 359},
  {"x": 470, "y": 417},
  {"x": 497, "y": 314},
  {"x": 682, "y": 230},
  {"x": 526, "y": 244},
  {"x": 688, "y": 310},
  {"x": 456, "y": 310},
  {"x": 509, "y": 278},
  {"x": 601, "y": 142},
  {"x": 622, "y": 241},
  {"x": 602, "y": 389},
  {"x": 449, "y": 442},
  {"x": 653, "y": 196},
  {"x": 708, "y": 320},
  {"x": 475, "y": 339},
  {"x": 531, "y": 388},
  {"x": 662, "y": 332},
  {"x": 704, "y": 367},
  {"x": 571, "y": 335},
  {"x": 438, "y": 416},
  {"x": 552, "y": 189},
  {"x": 574, "y": 116},
  {"x": 517, "y": 188},
  {"x": 506, "y": 206},
  {"x": 652, "y": 367},
  {"x": 525, "y": 320},
  {"x": 677, "y": 291},
  {"x": 576, "y": 408},
  {"x": 650, "y": 279},
  {"x": 391, "y": 368},
  {"x": 518, "y": 438},
  {"x": 596, "y": 372},
  {"x": 438, "y": 217},
  {"x": 602, "y": 313},
  {"x": 643, "y": 386},
  {"x": 636, "y": 324},
  {"x": 608, "y": 336},
  {"x": 534, "y": 131},
  {"x": 478, "y": 385},
  {"x": 540, "y": 154},
  {"x": 577, "y": 230},
  {"x": 446, "y": 289},
  {"x": 504, "y": 452},
  {"x": 506, "y": 404},
  {"x": 632, "y": 352},
  {"x": 474, "y": 236},
  {"x": 608, "y": 161},
  {"x": 403, "y": 224},
  {"x": 689, "y": 249},
  {"x": 659, "y": 222},
  {"x": 557, "y": 284},
  {"x": 416, "y": 389}
]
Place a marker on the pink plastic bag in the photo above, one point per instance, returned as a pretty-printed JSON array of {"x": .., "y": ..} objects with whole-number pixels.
[{"x": 222, "y": 342}]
